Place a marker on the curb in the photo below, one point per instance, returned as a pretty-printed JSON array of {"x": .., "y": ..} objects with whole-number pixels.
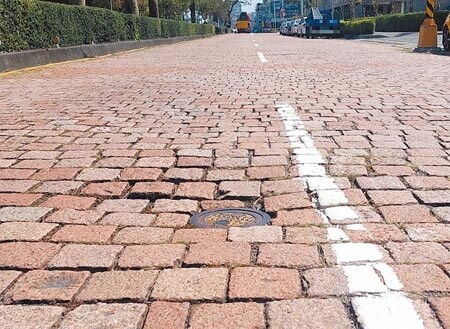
[
  {"x": 364, "y": 36},
  {"x": 31, "y": 58},
  {"x": 434, "y": 51}
]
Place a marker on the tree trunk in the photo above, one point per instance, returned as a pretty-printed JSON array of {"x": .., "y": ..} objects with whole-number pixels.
[
  {"x": 131, "y": 7},
  {"x": 153, "y": 8},
  {"x": 192, "y": 8},
  {"x": 82, "y": 2}
]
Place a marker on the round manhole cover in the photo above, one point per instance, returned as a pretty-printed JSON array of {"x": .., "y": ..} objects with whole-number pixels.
[{"x": 227, "y": 217}]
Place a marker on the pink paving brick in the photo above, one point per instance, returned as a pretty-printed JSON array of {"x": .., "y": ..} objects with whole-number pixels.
[
  {"x": 152, "y": 256},
  {"x": 191, "y": 284},
  {"x": 29, "y": 317},
  {"x": 69, "y": 202},
  {"x": 219, "y": 253},
  {"x": 167, "y": 315},
  {"x": 26, "y": 255},
  {"x": 84, "y": 233},
  {"x": 264, "y": 283}
]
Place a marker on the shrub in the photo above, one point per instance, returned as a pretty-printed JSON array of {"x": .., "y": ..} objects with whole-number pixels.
[
  {"x": 31, "y": 24},
  {"x": 406, "y": 22},
  {"x": 358, "y": 27}
]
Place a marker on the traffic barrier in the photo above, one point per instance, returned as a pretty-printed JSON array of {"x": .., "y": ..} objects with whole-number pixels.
[{"x": 428, "y": 29}]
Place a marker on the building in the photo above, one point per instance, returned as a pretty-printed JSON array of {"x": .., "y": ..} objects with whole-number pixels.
[
  {"x": 237, "y": 9},
  {"x": 271, "y": 13}
]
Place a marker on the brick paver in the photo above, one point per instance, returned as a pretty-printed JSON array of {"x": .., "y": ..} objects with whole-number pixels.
[{"x": 97, "y": 185}]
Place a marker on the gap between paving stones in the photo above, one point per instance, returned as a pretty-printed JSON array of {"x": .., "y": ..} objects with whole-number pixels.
[{"x": 380, "y": 303}]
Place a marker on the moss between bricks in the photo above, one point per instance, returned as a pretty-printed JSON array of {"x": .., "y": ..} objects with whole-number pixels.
[{"x": 31, "y": 24}]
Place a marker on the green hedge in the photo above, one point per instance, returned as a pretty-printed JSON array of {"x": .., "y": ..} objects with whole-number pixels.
[
  {"x": 31, "y": 24},
  {"x": 358, "y": 27},
  {"x": 223, "y": 30},
  {"x": 406, "y": 22}
]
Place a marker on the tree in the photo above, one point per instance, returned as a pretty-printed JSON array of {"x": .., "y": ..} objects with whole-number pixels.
[
  {"x": 131, "y": 7},
  {"x": 153, "y": 8},
  {"x": 192, "y": 9}
]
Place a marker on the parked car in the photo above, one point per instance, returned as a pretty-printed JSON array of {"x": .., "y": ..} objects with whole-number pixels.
[
  {"x": 283, "y": 28},
  {"x": 288, "y": 27},
  {"x": 446, "y": 34},
  {"x": 302, "y": 27},
  {"x": 294, "y": 28}
]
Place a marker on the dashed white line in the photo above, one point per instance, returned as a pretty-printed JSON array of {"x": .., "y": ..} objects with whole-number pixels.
[
  {"x": 256, "y": 45},
  {"x": 362, "y": 263},
  {"x": 261, "y": 57}
]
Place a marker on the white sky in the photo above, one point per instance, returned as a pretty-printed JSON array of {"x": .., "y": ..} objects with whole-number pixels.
[{"x": 250, "y": 8}]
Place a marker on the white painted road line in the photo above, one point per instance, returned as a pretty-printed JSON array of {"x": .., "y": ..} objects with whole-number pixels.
[
  {"x": 362, "y": 263},
  {"x": 256, "y": 45},
  {"x": 261, "y": 57}
]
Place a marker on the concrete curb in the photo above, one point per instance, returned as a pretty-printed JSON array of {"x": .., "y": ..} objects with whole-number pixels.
[
  {"x": 363, "y": 36},
  {"x": 434, "y": 51},
  {"x": 31, "y": 58}
]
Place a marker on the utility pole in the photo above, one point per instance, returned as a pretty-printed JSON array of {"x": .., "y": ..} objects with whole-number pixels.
[
  {"x": 274, "y": 15},
  {"x": 301, "y": 9}
]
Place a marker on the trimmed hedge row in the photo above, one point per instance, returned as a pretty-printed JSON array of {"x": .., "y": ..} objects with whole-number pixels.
[
  {"x": 358, "y": 27},
  {"x": 223, "y": 30},
  {"x": 407, "y": 22},
  {"x": 31, "y": 24}
]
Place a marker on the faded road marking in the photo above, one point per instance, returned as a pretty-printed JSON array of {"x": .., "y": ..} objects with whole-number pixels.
[
  {"x": 261, "y": 57},
  {"x": 382, "y": 305}
]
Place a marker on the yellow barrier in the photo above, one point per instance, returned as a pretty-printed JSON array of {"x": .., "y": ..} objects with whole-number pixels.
[{"x": 428, "y": 29}]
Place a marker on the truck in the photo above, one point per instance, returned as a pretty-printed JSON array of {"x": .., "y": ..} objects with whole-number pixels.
[
  {"x": 321, "y": 24},
  {"x": 243, "y": 23}
]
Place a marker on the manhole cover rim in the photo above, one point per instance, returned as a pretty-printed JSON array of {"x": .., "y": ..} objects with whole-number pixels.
[{"x": 260, "y": 217}]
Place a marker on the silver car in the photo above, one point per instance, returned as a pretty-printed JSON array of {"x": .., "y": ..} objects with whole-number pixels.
[{"x": 295, "y": 28}]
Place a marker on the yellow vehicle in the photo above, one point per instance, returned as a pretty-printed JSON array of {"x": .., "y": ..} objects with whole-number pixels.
[
  {"x": 243, "y": 23},
  {"x": 446, "y": 34}
]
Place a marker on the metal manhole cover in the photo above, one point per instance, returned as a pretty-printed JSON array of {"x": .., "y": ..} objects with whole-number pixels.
[{"x": 227, "y": 217}]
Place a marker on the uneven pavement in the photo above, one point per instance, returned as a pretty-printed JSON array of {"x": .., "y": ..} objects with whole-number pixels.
[{"x": 103, "y": 161}]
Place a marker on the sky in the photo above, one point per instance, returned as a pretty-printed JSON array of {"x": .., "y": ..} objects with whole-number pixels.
[{"x": 251, "y": 7}]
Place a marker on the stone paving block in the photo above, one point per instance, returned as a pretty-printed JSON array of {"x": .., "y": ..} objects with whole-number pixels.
[
  {"x": 428, "y": 232},
  {"x": 171, "y": 220},
  {"x": 81, "y": 256},
  {"x": 23, "y": 214},
  {"x": 115, "y": 162},
  {"x": 84, "y": 233},
  {"x": 299, "y": 217},
  {"x": 197, "y": 235},
  {"x": 374, "y": 232},
  {"x": 7, "y": 278},
  {"x": 435, "y": 197},
  {"x": 25, "y": 231},
  {"x": 152, "y": 190},
  {"x": 167, "y": 315},
  {"x": 15, "y": 173},
  {"x": 26, "y": 255},
  {"x": 140, "y": 174},
  {"x": 152, "y": 256},
  {"x": 229, "y": 162},
  {"x": 308, "y": 235},
  {"x": 393, "y": 170},
  {"x": 287, "y": 202},
  {"x": 422, "y": 278},
  {"x": 98, "y": 174},
  {"x": 127, "y": 285},
  {"x": 407, "y": 214},
  {"x": 57, "y": 174},
  {"x": 128, "y": 219},
  {"x": 380, "y": 183},
  {"x": 30, "y": 316},
  {"x": 391, "y": 197},
  {"x": 442, "y": 213},
  {"x": 427, "y": 183},
  {"x": 327, "y": 281},
  {"x": 418, "y": 252},
  {"x": 194, "y": 162},
  {"x": 111, "y": 316},
  {"x": 256, "y": 234},
  {"x": 264, "y": 283},
  {"x": 240, "y": 189},
  {"x": 225, "y": 174},
  {"x": 194, "y": 190},
  {"x": 123, "y": 205},
  {"x": 74, "y": 163},
  {"x": 69, "y": 202},
  {"x": 35, "y": 164},
  {"x": 262, "y": 173},
  {"x": 441, "y": 305},
  {"x": 219, "y": 253},
  {"x": 217, "y": 204},
  {"x": 47, "y": 286},
  {"x": 184, "y": 174},
  {"x": 156, "y": 162},
  {"x": 19, "y": 199},
  {"x": 72, "y": 216},
  {"x": 227, "y": 316},
  {"x": 281, "y": 187},
  {"x": 191, "y": 284},
  {"x": 143, "y": 235},
  {"x": 110, "y": 189},
  {"x": 20, "y": 186},
  {"x": 308, "y": 313},
  {"x": 288, "y": 255},
  {"x": 58, "y": 187},
  {"x": 184, "y": 206}
]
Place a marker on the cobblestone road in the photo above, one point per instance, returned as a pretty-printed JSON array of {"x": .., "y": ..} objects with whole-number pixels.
[{"x": 102, "y": 162}]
